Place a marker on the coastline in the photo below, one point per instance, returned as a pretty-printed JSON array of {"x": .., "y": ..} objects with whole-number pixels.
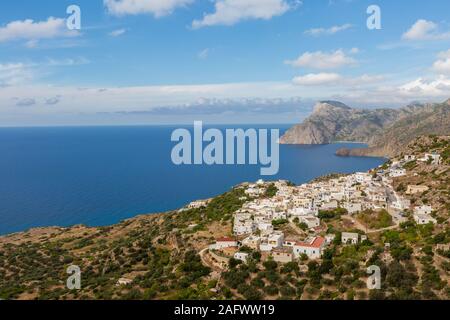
[{"x": 143, "y": 215}]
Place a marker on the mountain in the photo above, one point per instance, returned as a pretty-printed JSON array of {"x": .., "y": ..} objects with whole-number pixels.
[
  {"x": 384, "y": 130},
  {"x": 334, "y": 121},
  {"x": 426, "y": 120}
]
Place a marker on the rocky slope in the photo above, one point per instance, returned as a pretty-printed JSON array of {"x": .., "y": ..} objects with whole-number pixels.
[
  {"x": 425, "y": 120},
  {"x": 333, "y": 121},
  {"x": 384, "y": 130}
]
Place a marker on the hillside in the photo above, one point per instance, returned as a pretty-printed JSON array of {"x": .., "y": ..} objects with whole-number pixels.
[
  {"x": 334, "y": 121},
  {"x": 166, "y": 256},
  {"x": 384, "y": 130}
]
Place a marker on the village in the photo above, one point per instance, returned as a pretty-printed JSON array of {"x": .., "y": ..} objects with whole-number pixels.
[{"x": 255, "y": 224}]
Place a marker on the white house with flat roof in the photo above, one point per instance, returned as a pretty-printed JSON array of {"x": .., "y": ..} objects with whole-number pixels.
[
  {"x": 330, "y": 205},
  {"x": 353, "y": 207},
  {"x": 350, "y": 238},
  {"x": 397, "y": 172},
  {"x": 241, "y": 256},
  {"x": 423, "y": 210},
  {"x": 303, "y": 212},
  {"x": 435, "y": 158},
  {"x": 275, "y": 240},
  {"x": 424, "y": 219}
]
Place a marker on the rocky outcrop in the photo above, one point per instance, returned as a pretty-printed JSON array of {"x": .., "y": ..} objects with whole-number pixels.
[
  {"x": 430, "y": 119},
  {"x": 384, "y": 130},
  {"x": 334, "y": 121}
]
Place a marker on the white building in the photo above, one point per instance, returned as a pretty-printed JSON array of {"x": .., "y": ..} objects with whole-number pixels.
[
  {"x": 198, "y": 204},
  {"x": 423, "y": 210},
  {"x": 242, "y": 256},
  {"x": 424, "y": 219},
  {"x": 363, "y": 177},
  {"x": 244, "y": 227},
  {"x": 353, "y": 207},
  {"x": 254, "y": 191},
  {"x": 398, "y": 172},
  {"x": 378, "y": 196},
  {"x": 313, "y": 248},
  {"x": 225, "y": 242},
  {"x": 302, "y": 202},
  {"x": 275, "y": 240},
  {"x": 435, "y": 158},
  {"x": 401, "y": 203},
  {"x": 297, "y": 212},
  {"x": 330, "y": 205},
  {"x": 279, "y": 215},
  {"x": 350, "y": 238},
  {"x": 265, "y": 228}
]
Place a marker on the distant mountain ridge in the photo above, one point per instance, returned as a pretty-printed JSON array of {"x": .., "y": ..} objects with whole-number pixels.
[{"x": 384, "y": 130}]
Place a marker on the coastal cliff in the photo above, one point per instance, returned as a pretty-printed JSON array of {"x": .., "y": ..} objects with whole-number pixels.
[
  {"x": 384, "y": 130},
  {"x": 334, "y": 121}
]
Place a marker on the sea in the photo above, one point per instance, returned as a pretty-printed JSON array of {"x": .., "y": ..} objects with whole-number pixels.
[{"x": 63, "y": 176}]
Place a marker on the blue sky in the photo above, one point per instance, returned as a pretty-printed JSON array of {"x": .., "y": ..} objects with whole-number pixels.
[{"x": 226, "y": 61}]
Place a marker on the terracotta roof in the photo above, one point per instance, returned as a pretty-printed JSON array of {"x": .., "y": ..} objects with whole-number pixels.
[{"x": 317, "y": 243}]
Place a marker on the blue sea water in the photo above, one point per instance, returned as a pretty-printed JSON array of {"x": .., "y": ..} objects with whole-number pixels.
[{"x": 102, "y": 175}]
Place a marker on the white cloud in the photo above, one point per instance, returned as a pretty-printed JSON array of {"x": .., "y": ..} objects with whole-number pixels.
[
  {"x": 14, "y": 73},
  {"x": 158, "y": 8},
  {"x": 336, "y": 80},
  {"x": 323, "y": 60},
  {"x": 21, "y": 73},
  {"x": 442, "y": 65},
  {"x": 439, "y": 87},
  {"x": 118, "y": 32},
  {"x": 316, "y": 79},
  {"x": 33, "y": 31},
  {"x": 230, "y": 12},
  {"x": 145, "y": 104},
  {"x": 66, "y": 62},
  {"x": 365, "y": 79},
  {"x": 327, "y": 31},
  {"x": 425, "y": 30}
]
